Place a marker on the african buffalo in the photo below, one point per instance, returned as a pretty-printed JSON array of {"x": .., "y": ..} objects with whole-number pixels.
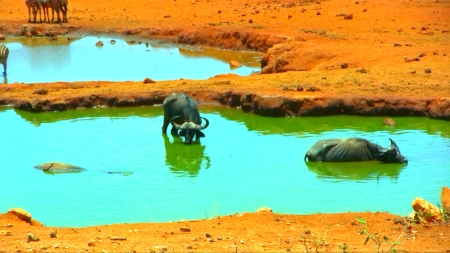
[
  {"x": 353, "y": 149},
  {"x": 181, "y": 110}
]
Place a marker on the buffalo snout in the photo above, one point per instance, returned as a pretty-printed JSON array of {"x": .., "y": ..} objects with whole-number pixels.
[{"x": 187, "y": 140}]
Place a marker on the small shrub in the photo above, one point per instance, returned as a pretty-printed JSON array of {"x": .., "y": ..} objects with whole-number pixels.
[{"x": 378, "y": 240}]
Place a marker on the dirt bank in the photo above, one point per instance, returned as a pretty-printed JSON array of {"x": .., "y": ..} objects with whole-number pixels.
[{"x": 247, "y": 232}]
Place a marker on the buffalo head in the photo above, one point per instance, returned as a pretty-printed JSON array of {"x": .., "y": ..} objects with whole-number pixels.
[
  {"x": 390, "y": 154},
  {"x": 189, "y": 130}
]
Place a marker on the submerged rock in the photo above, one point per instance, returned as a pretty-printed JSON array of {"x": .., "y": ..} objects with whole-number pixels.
[
  {"x": 235, "y": 64},
  {"x": 56, "y": 167},
  {"x": 60, "y": 168},
  {"x": 389, "y": 122}
]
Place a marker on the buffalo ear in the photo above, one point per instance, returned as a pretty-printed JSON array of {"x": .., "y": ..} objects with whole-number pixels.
[
  {"x": 200, "y": 134},
  {"x": 380, "y": 156}
]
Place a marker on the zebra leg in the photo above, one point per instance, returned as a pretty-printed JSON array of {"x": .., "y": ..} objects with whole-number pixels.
[
  {"x": 34, "y": 14},
  {"x": 65, "y": 16},
  {"x": 29, "y": 14},
  {"x": 64, "y": 9},
  {"x": 57, "y": 14},
  {"x": 59, "y": 18},
  {"x": 45, "y": 14},
  {"x": 40, "y": 14}
]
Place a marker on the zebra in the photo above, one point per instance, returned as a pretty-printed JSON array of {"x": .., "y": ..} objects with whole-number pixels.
[
  {"x": 45, "y": 6},
  {"x": 4, "y": 51},
  {"x": 35, "y": 6},
  {"x": 57, "y": 6}
]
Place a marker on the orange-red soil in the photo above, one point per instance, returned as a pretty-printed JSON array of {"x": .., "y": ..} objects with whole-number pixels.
[
  {"x": 247, "y": 232},
  {"x": 306, "y": 43}
]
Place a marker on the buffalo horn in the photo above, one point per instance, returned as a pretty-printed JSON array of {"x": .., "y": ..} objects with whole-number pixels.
[
  {"x": 175, "y": 124},
  {"x": 204, "y": 126},
  {"x": 393, "y": 142}
]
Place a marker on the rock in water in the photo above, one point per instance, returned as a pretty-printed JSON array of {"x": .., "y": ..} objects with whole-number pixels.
[
  {"x": 57, "y": 168},
  {"x": 389, "y": 122}
]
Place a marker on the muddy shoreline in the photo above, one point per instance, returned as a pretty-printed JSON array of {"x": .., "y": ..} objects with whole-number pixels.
[
  {"x": 218, "y": 38},
  {"x": 286, "y": 101},
  {"x": 253, "y": 103}
]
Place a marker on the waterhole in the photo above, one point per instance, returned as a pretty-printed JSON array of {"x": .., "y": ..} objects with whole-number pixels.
[
  {"x": 36, "y": 60},
  {"x": 245, "y": 162}
]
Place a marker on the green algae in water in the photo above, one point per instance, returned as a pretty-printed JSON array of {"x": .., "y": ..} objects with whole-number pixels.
[{"x": 245, "y": 162}]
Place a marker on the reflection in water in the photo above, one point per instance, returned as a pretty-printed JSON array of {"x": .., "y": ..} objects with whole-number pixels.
[
  {"x": 60, "y": 59},
  {"x": 38, "y": 41},
  {"x": 355, "y": 170},
  {"x": 86, "y": 114},
  {"x": 251, "y": 59},
  {"x": 194, "y": 174},
  {"x": 60, "y": 52},
  {"x": 303, "y": 126},
  {"x": 185, "y": 159}
]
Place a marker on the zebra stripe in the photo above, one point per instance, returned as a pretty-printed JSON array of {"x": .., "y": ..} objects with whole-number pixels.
[
  {"x": 45, "y": 6},
  {"x": 35, "y": 6},
  {"x": 4, "y": 51}
]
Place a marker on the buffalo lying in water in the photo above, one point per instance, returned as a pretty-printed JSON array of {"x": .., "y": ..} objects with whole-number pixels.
[
  {"x": 353, "y": 149},
  {"x": 60, "y": 168},
  {"x": 181, "y": 110}
]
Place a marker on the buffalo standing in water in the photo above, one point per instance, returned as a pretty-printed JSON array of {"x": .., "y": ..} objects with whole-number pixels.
[
  {"x": 181, "y": 110},
  {"x": 352, "y": 150}
]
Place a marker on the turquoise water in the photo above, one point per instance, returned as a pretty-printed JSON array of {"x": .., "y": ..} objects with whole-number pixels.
[
  {"x": 36, "y": 60},
  {"x": 245, "y": 162}
]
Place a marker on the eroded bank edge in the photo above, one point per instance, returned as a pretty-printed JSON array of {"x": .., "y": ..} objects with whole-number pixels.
[{"x": 261, "y": 104}]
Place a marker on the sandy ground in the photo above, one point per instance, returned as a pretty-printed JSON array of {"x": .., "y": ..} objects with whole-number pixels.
[
  {"x": 375, "y": 57},
  {"x": 247, "y": 232}
]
